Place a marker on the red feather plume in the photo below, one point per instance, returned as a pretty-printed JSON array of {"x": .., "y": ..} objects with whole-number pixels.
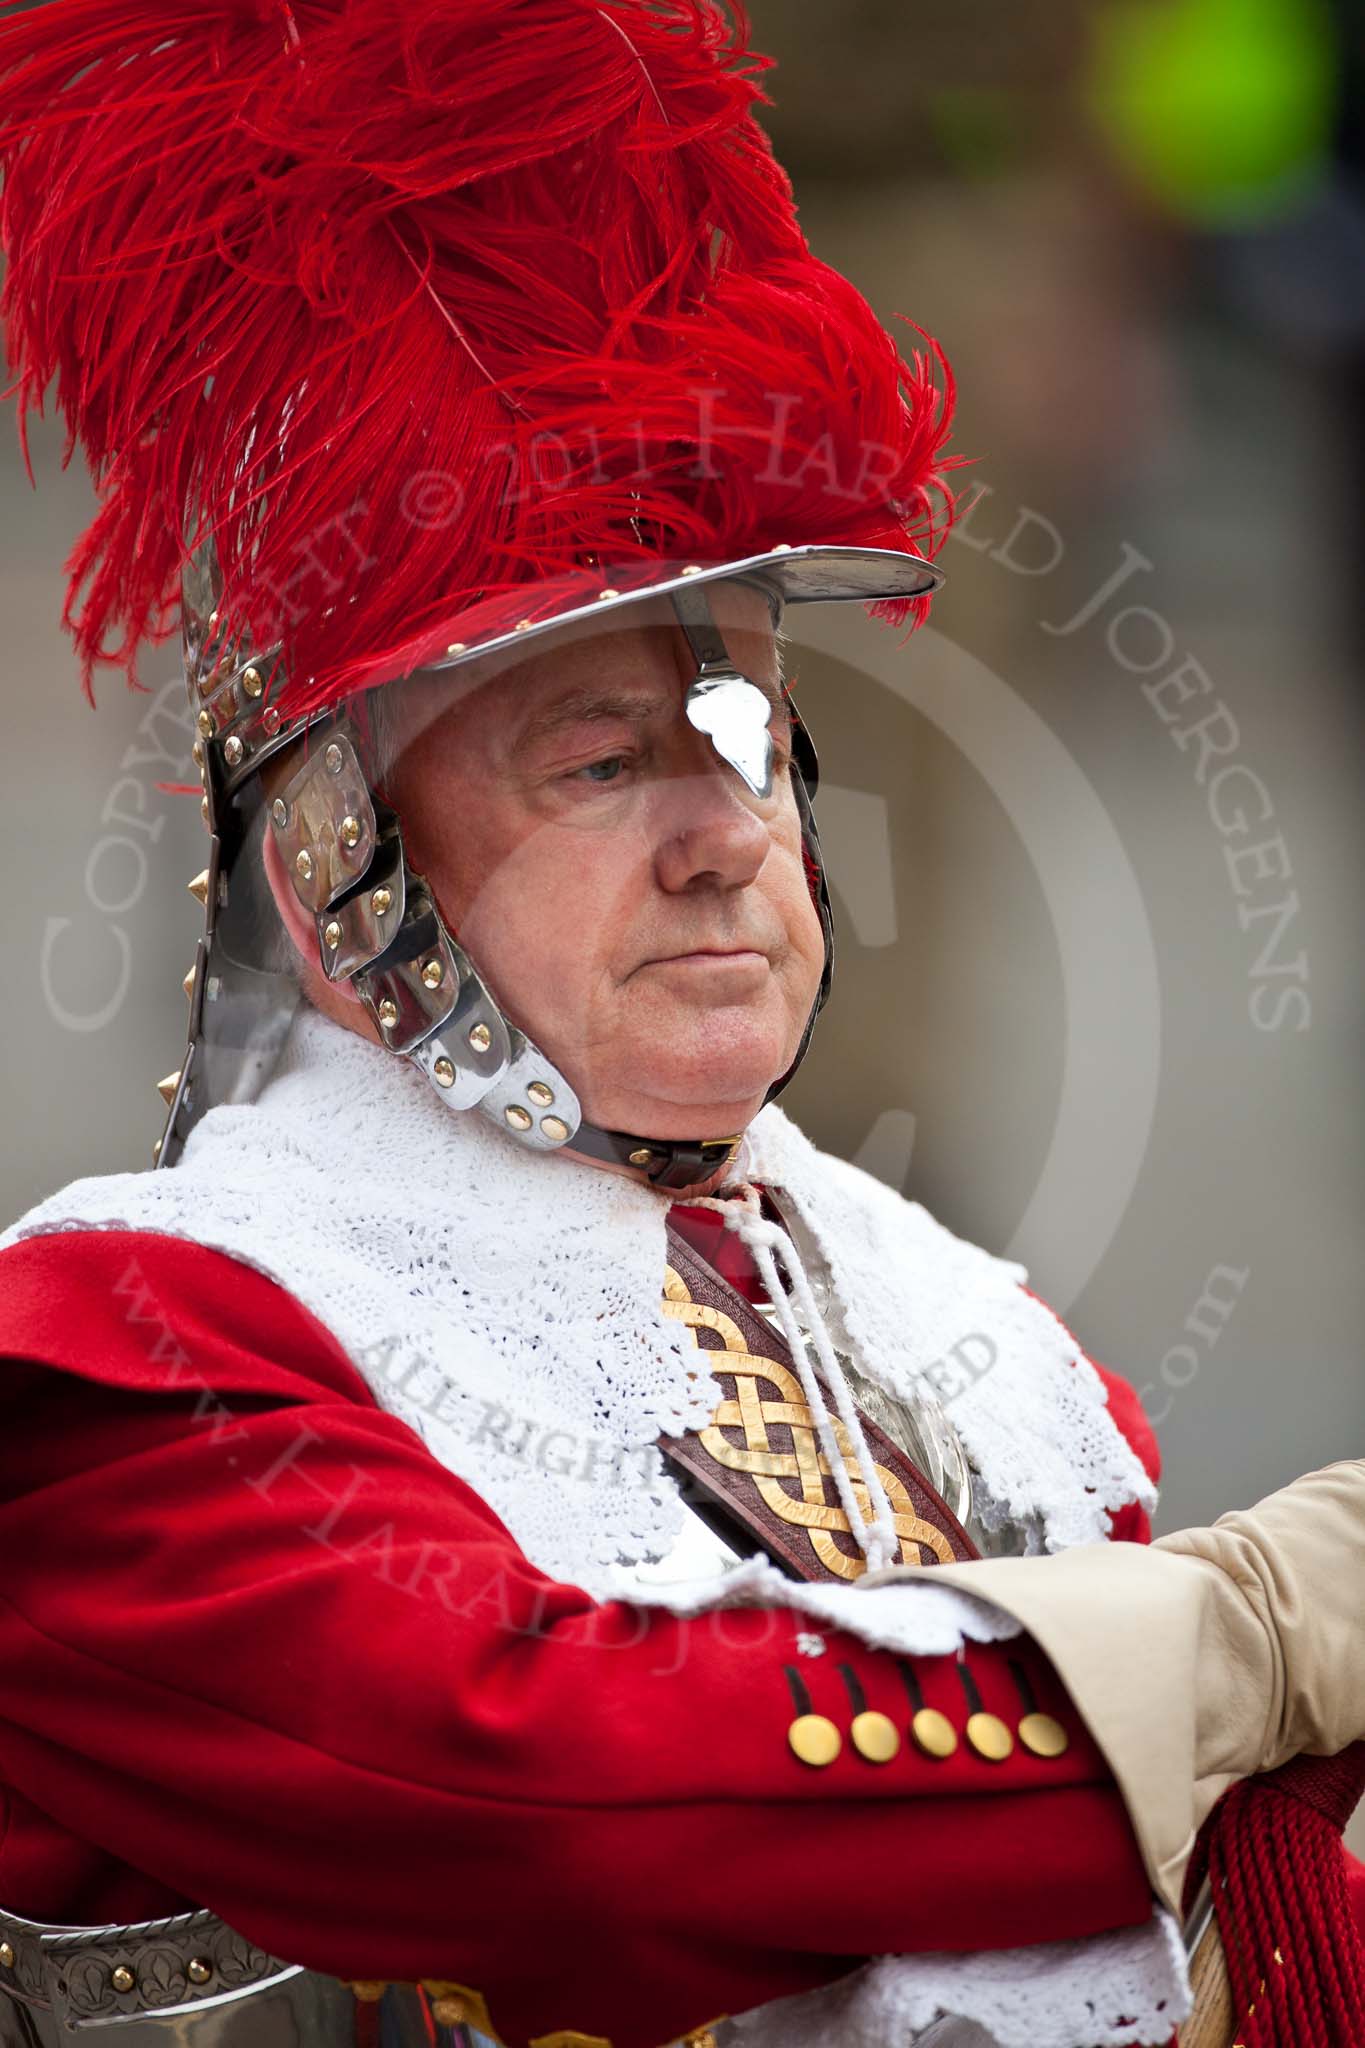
[{"x": 414, "y": 303}]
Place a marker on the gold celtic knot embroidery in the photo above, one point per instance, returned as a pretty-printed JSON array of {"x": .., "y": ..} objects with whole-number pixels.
[{"x": 767, "y": 1397}]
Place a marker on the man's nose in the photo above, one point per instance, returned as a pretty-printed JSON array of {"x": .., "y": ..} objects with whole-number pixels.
[{"x": 709, "y": 834}]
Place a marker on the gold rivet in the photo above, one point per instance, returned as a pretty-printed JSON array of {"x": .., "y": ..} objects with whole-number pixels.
[
  {"x": 934, "y": 1733},
  {"x": 166, "y": 1089},
  {"x": 814, "y": 1739},
  {"x": 783, "y": 548},
  {"x": 350, "y": 832},
  {"x": 523, "y": 626},
  {"x": 304, "y": 863},
  {"x": 6, "y": 1956},
  {"x": 1044, "y": 1736},
  {"x": 197, "y": 751},
  {"x": 204, "y": 809},
  {"x": 122, "y": 1978},
  {"x": 444, "y": 1071},
  {"x": 692, "y": 569},
  {"x": 270, "y": 719},
  {"x": 432, "y": 972},
  {"x": 369, "y": 1990},
  {"x": 199, "y": 887},
  {"x": 199, "y": 1969},
  {"x": 875, "y": 1736},
  {"x": 520, "y": 1119},
  {"x": 205, "y": 723},
  {"x": 480, "y": 1037},
  {"x": 252, "y": 682},
  {"x": 334, "y": 758},
  {"x": 555, "y": 1129},
  {"x": 380, "y": 899},
  {"x": 388, "y": 1013},
  {"x": 643, "y": 1157},
  {"x": 233, "y": 751},
  {"x": 279, "y": 811},
  {"x": 540, "y": 1094},
  {"x": 604, "y": 595},
  {"x": 989, "y": 1737},
  {"x": 188, "y": 983},
  {"x": 455, "y": 647},
  {"x": 332, "y": 934}
]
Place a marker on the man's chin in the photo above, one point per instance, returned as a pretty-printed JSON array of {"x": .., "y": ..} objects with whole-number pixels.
[{"x": 705, "y": 1097}]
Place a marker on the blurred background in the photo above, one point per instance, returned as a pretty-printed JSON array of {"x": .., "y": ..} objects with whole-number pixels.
[{"x": 1096, "y": 832}]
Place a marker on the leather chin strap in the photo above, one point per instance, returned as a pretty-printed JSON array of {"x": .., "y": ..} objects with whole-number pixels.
[{"x": 673, "y": 1163}]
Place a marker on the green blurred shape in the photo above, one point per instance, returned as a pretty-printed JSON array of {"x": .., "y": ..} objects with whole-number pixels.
[
  {"x": 976, "y": 128},
  {"x": 1221, "y": 109}
]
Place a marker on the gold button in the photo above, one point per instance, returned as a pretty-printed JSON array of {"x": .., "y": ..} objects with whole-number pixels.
[
  {"x": 540, "y": 1094},
  {"x": 349, "y": 832},
  {"x": 814, "y": 1739},
  {"x": 1043, "y": 1735},
  {"x": 304, "y": 863},
  {"x": 642, "y": 1157},
  {"x": 934, "y": 1733},
  {"x": 875, "y": 1736},
  {"x": 251, "y": 682},
  {"x": 368, "y": 1990},
  {"x": 199, "y": 1969},
  {"x": 380, "y": 899},
  {"x": 989, "y": 1737},
  {"x": 555, "y": 1129},
  {"x": 388, "y": 1013},
  {"x": 332, "y": 935},
  {"x": 122, "y": 1978},
  {"x": 480, "y": 1037},
  {"x": 519, "y": 1118},
  {"x": 205, "y": 724},
  {"x": 444, "y": 1071},
  {"x": 452, "y": 2010},
  {"x": 6, "y": 1956},
  {"x": 432, "y": 971}
]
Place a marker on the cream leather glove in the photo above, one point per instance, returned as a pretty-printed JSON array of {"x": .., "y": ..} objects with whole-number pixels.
[{"x": 1208, "y": 1656}]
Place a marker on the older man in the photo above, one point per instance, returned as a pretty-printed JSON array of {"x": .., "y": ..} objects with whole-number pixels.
[{"x": 503, "y": 1534}]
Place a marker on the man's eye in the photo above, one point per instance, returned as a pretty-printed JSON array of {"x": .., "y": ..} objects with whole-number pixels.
[{"x": 603, "y": 771}]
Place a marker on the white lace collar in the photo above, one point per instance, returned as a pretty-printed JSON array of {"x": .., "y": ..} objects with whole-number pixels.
[{"x": 507, "y": 1304}]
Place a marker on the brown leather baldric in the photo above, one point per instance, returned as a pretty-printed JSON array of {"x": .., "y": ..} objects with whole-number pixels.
[{"x": 757, "y": 1474}]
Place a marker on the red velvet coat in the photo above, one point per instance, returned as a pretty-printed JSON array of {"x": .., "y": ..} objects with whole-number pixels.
[{"x": 260, "y": 1652}]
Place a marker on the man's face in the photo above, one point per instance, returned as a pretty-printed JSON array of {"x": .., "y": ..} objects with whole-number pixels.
[{"x": 634, "y": 907}]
